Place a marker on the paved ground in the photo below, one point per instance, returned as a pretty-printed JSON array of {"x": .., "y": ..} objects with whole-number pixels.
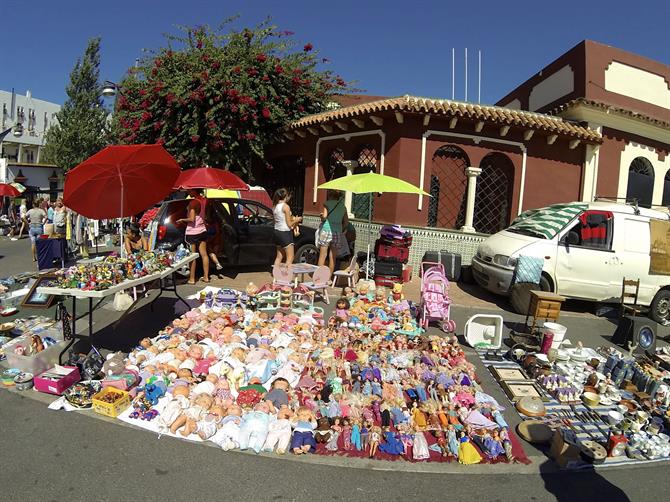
[{"x": 74, "y": 456}]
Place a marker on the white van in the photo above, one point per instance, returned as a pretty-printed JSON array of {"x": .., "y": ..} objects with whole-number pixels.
[{"x": 587, "y": 248}]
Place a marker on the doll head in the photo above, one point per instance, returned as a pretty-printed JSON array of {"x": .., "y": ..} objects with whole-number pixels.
[
  {"x": 342, "y": 303},
  {"x": 262, "y": 406},
  {"x": 185, "y": 374},
  {"x": 380, "y": 294},
  {"x": 234, "y": 410},
  {"x": 212, "y": 378},
  {"x": 281, "y": 384},
  {"x": 284, "y": 412},
  {"x": 145, "y": 343},
  {"x": 204, "y": 401},
  {"x": 181, "y": 390},
  {"x": 304, "y": 414},
  {"x": 217, "y": 410}
]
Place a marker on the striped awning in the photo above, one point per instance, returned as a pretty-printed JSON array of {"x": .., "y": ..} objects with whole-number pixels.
[{"x": 547, "y": 221}]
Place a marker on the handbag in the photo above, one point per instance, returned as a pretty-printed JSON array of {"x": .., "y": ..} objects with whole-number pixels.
[{"x": 320, "y": 229}]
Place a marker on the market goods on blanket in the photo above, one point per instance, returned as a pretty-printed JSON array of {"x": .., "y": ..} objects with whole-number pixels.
[
  {"x": 113, "y": 270},
  {"x": 293, "y": 382}
]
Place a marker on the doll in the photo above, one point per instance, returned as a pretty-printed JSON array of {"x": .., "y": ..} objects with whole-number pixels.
[
  {"x": 418, "y": 417},
  {"x": 228, "y": 435},
  {"x": 336, "y": 430},
  {"x": 376, "y": 388},
  {"x": 279, "y": 431},
  {"x": 420, "y": 446},
  {"x": 174, "y": 408},
  {"x": 375, "y": 438},
  {"x": 192, "y": 415},
  {"x": 498, "y": 417},
  {"x": 391, "y": 445},
  {"x": 493, "y": 445},
  {"x": 208, "y": 425},
  {"x": 452, "y": 441},
  {"x": 441, "y": 441},
  {"x": 303, "y": 431},
  {"x": 467, "y": 454},
  {"x": 507, "y": 444},
  {"x": 323, "y": 431},
  {"x": 278, "y": 394},
  {"x": 356, "y": 434},
  {"x": 342, "y": 309},
  {"x": 254, "y": 427},
  {"x": 365, "y": 434},
  {"x": 346, "y": 434}
]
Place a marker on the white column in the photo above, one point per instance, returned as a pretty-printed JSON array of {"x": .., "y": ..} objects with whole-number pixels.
[
  {"x": 19, "y": 155},
  {"x": 39, "y": 154},
  {"x": 347, "y": 195},
  {"x": 472, "y": 173}
]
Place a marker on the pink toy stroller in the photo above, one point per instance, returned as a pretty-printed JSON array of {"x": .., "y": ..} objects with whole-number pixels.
[{"x": 435, "y": 303}]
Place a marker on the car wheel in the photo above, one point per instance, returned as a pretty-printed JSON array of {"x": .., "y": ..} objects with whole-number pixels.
[
  {"x": 307, "y": 253},
  {"x": 545, "y": 284},
  {"x": 660, "y": 307}
]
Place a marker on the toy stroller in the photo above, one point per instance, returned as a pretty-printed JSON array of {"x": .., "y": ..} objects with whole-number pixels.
[{"x": 435, "y": 303}]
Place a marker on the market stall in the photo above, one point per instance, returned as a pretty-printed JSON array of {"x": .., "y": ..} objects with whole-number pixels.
[{"x": 103, "y": 279}]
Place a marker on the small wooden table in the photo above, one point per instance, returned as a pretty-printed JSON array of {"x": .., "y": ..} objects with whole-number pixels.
[{"x": 543, "y": 305}]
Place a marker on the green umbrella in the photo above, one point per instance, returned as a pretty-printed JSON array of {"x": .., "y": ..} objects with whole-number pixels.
[{"x": 371, "y": 183}]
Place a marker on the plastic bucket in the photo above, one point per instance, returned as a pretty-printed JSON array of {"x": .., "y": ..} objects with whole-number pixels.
[{"x": 558, "y": 330}]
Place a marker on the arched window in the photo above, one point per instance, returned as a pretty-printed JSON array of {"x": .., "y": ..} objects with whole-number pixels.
[
  {"x": 335, "y": 168},
  {"x": 494, "y": 193},
  {"x": 446, "y": 208},
  {"x": 640, "y": 182},
  {"x": 288, "y": 172},
  {"x": 666, "y": 190},
  {"x": 367, "y": 162}
]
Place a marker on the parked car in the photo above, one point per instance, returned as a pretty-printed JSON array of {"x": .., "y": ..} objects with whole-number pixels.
[
  {"x": 246, "y": 231},
  {"x": 587, "y": 249}
]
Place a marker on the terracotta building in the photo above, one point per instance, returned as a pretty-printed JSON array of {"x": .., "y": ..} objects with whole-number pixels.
[{"x": 595, "y": 122}]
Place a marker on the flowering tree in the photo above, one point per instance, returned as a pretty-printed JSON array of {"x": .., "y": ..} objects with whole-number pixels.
[{"x": 218, "y": 99}]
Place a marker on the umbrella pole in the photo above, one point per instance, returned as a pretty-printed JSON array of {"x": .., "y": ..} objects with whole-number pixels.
[{"x": 367, "y": 269}]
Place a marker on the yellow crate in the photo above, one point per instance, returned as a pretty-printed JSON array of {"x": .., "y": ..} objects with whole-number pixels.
[{"x": 114, "y": 409}]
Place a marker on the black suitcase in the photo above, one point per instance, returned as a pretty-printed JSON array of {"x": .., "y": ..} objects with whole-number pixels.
[
  {"x": 450, "y": 261},
  {"x": 388, "y": 268}
]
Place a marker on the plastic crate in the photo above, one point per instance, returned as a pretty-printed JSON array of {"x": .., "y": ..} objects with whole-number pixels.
[
  {"x": 35, "y": 364},
  {"x": 114, "y": 409}
]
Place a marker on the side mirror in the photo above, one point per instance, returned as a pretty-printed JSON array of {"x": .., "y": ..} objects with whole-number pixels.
[{"x": 572, "y": 239}]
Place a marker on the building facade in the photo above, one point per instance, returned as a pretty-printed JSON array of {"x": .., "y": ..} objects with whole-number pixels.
[
  {"x": 27, "y": 120},
  {"x": 593, "y": 123}
]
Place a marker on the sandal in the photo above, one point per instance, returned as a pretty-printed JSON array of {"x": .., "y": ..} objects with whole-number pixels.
[
  {"x": 191, "y": 283},
  {"x": 206, "y": 281}
]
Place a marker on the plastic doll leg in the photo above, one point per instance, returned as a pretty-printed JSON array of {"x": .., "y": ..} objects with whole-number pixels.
[
  {"x": 244, "y": 437},
  {"x": 258, "y": 440},
  {"x": 283, "y": 442},
  {"x": 271, "y": 441},
  {"x": 179, "y": 422}
]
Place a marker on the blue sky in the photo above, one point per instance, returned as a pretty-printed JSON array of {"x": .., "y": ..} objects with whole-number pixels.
[{"x": 389, "y": 47}]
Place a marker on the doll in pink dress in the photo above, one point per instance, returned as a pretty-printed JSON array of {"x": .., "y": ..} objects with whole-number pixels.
[{"x": 346, "y": 435}]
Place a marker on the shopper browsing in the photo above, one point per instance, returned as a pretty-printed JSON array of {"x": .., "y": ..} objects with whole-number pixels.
[{"x": 36, "y": 218}]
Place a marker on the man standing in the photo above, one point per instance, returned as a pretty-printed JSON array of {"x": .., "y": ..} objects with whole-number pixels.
[
  {"x": 36, "y": 218},
  {"x": 23, "y": 210}
]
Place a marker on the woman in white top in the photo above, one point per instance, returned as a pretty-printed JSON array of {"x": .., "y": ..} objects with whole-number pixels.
[{"x": 285, "y": 222}]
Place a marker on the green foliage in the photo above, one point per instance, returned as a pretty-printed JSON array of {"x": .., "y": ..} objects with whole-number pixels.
[
  {"x": 214, "y": 98},
  {"x": 81, "y": 128}
]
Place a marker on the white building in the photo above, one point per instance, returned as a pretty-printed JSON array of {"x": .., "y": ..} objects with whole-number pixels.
[{"x": 21, "y": 149}]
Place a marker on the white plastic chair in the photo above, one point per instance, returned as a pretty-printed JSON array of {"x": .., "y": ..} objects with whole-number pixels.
[
  {"x": 282, "y": 275},
  {"x": 320, "y": 282},
  {"x": 350, "y": 273}
]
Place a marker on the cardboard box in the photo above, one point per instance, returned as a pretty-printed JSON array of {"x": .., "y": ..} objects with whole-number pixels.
[{"x": 57, "y": 379}]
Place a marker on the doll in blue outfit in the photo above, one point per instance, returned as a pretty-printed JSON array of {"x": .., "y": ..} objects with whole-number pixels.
[{"x": 303, "y": 440}]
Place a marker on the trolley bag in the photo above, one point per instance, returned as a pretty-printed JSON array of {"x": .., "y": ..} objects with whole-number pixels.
[
  {"x": 387, "y": 281},
  {"x": 388, "y": 268},
  {"x": 391, "y": 252},
  {"x": 394, "y": 234},
  {"x": 450, "y": 261}
]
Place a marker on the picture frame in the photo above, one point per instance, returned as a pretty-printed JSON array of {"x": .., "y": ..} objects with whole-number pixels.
[
  {"x": 517, "y": 390},
  {"x": 508, "y": 374},
  {"x": 38, "y": 300}
]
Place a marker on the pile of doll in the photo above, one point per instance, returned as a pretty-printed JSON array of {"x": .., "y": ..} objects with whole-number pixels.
[
  {"x": 244, "y": 379},
  {"x": 113, "y": 270}
]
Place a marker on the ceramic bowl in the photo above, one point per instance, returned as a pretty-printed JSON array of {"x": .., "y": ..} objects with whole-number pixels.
[
  {"x": 642, "y": 416},
  {"x": 622, "y": 408},
  {"x": 614, "y": 417},
  {"x": 590, "y": 399},
  {"x": 663, "y": 437}
]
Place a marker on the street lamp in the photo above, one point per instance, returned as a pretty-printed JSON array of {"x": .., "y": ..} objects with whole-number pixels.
[{"x": 110, "y": 89}]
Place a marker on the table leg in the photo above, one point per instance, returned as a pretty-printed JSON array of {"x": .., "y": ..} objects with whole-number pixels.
[
  {"x": 174, "y": 285},
  {"x": 160, "y": 292},
  {"x": 74, "y": 318},
  {"x": 90, "y": 319}
]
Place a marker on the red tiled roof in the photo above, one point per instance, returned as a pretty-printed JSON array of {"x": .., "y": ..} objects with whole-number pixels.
[
  {"x": 496, "y": 114},
  {"x": 601, "y": 105}
]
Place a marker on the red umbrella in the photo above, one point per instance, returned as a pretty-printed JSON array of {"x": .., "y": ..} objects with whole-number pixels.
[
  {"x": 120, "y": 181},
  {"x": 209, "y": 177},
  {"x": 7, "y": 190}
]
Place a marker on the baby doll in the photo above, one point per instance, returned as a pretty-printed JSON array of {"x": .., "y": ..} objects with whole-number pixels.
[
  {"x": 207, "y": 427},
  {"x": 174, "y": 408},
  {"x": 192, "y": 415},
  {"x": 254, "y": 427},
  {"x": 278, "y": 394},
  {"x": 323, "y": 432},
  {"x": 279, "y": 434},
  {"x": 227, "y": 437},
  {"x": 303, "y": 432}
]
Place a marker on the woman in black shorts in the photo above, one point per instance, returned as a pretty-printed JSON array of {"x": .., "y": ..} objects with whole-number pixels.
[{"x": 285, "y": 222}]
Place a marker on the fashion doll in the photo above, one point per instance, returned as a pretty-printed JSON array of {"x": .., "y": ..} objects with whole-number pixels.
[
  {"x": 467, "y": 454},
  {"x": 303, "y": 432},
  {"x": 420, "y": 446},
  {"x": 356, "y": 434},
  {"x": 441, "y": 441},
  {"x": 375, "y": 438},
  {"x": 493, "y": 445},
  {"x": 507, "y": 444},
  {"x": 418, "y": 417},
  {"x": 346, "y": 435},
  {"x": 391, "y": 445}
]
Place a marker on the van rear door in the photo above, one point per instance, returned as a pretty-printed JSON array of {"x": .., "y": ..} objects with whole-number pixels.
[
  {"x": 633, "y": 246},
  {"x": 585, "y": 259}
]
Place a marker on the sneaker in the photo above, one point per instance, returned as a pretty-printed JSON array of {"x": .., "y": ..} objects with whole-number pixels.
[
  {"x": 13, "y": 239},
  {"x": 219, "y": 267}
]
